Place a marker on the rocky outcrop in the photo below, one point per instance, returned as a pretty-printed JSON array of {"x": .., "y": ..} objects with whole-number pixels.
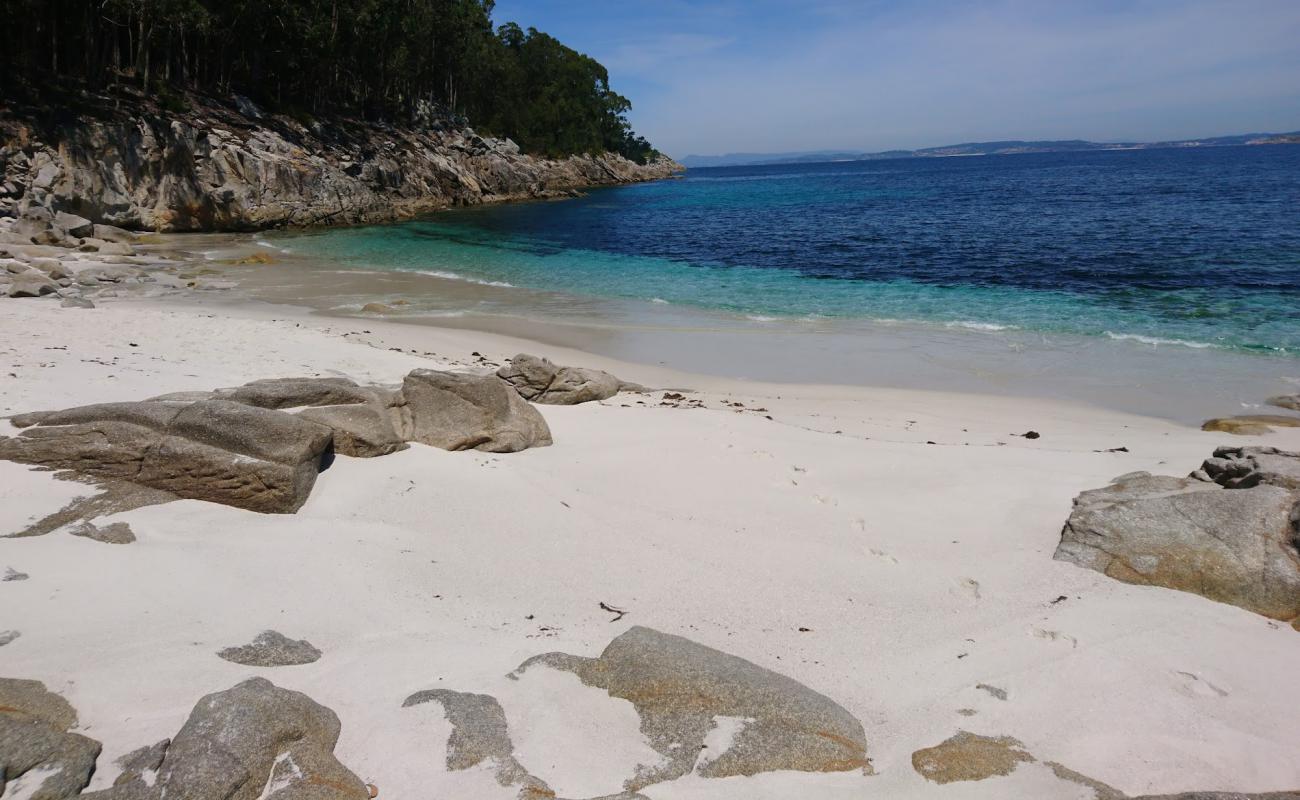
[
  {"x": 39, "y": 758},
  {"x": 466, "y": 411},
  {"x": 680, "y": 689},
  {"x": 252, "y": 741},
  {"x": 215, "y": 167},
  {"x": 215, "y": 450},
  {"x": 540, "y": 381},
  {"x": 272, "y": 649},
  {"x": 1230, "y": 532},
  {"x": 261, "y": 445}
]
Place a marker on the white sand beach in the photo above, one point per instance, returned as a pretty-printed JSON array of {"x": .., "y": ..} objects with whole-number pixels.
[{"x": 890, "y": 549}]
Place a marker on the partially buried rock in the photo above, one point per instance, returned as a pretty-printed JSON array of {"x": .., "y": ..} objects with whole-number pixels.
[
  {"x": 76, "y": 302},
  {"x": 465, "y": 411},
  {"x": 1290, "y": 401},
  {"x": 540, "y": 381},
  {"x": 1234, "y": 545},
  {"x": 679, "y": 688},
  {"x": 116, "y": 533},
  {"x": 215, "y": 450},
  {"x": 1250, "y": 424},
  {"x": 376, "y": 308},
  {"x": 39, "y": 757},
  {"x": 8, "y": 636},
  {"x": 272, "y": 649},
  {"x": 479, "y": 734},
  {"x": 968, "y": 757},
  {"x": 252, "y": 741}
]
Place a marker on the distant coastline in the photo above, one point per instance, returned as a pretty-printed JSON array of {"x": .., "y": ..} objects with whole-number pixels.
[{"x": 1006, "y": 147}]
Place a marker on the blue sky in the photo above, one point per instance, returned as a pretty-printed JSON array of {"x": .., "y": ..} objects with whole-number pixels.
[{"x": 764, "y": 76}]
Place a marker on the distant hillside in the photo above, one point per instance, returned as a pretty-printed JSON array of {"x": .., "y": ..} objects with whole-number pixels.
[{"x": 1011, "y": 147}]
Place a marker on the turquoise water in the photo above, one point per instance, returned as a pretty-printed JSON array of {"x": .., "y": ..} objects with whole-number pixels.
[{"x": 1199, "y": 248}]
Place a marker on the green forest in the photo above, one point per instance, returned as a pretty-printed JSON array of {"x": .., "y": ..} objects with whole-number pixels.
[{"x": 380, "y": 60}]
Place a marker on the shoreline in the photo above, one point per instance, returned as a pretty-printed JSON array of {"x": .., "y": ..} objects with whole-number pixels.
[
  {"x": 1115, "y": 372},
  {"x": 919, "y": 570},
  {"x": 888, "y": 548}
]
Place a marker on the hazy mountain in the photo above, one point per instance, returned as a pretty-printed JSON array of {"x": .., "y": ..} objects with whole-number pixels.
[{"x": 981, "y": 149}]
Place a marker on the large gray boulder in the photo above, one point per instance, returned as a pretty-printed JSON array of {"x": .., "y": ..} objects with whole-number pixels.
[
  {"x": 465, "y": 411},
  {"x": 362, "y": 430},
  {"x": 254, "y": 741},
  {"x": 39, "y": 758},
  {"x": 540, "y": 381},
  {"x": 214, "y": 450},
  {"x": 31, "y": 284},
  {"x": 1233, "y": 545},
  {"x": 73, "y": 225},
  {"x": 679, "y": 687},
  {"x": 361, "y": 417},
  {"x": 281, "y": 393}
]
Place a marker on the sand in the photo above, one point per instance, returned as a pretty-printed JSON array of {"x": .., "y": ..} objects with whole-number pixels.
[{"x": 888, "y": 548}]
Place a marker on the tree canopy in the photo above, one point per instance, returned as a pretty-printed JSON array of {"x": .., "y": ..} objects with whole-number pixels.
[{"x": 376, "y": 59}]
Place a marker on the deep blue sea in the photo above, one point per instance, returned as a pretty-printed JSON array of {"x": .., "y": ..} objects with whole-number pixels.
[{"x": 1198, "y": 247}]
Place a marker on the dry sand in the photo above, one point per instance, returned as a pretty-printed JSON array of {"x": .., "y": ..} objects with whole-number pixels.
[{"x": 910, "y": 533}]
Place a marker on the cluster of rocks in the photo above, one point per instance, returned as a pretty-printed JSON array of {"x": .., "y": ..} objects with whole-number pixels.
[
  {"x": 258, "y": 740},
  {"x": 252, "y": 740},
  {"x": 1230, "y": 531},
  {"x": 56, "y": 254},
  {"x": 227, "y": 165},
  {"x": 260, "y": 446}
]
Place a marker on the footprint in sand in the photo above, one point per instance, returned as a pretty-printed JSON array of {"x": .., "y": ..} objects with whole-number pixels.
[
  {"x": 882, "y": 555},
  {"x": 1194, "y": 685},
  {"x": 1055, "y": 636}
]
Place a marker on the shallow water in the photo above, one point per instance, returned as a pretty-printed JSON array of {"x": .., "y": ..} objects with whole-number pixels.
[
  {"x": 1193, "y": 247},
  {"x": 1162, "y": 282}
]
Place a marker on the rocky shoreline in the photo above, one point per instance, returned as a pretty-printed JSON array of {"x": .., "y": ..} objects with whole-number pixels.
[{"x": 226, "y": 165}]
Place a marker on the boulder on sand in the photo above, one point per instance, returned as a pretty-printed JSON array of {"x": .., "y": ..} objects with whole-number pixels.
[
  {"x": 253, "y": 740},
  {"x": 362, "y": 430},
  {"x": 464, "y": 411},
  {"x": 540, "y": 381},
  {"x": 39, "y": 757},
  {"x": 678, "y": 688},
  {"x": 272, "y": 649},
  {"x": 1235, "y": 545},
  {"x": 284, "y": 393},
  {"x": 31, "y": 284},
  {"x": 214, "y": 450}
]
